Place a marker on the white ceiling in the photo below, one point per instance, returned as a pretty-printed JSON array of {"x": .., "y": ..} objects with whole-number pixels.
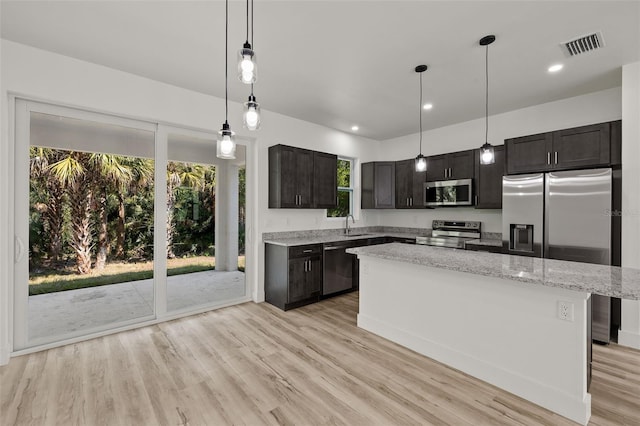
[{"x": 340, "y": 63}]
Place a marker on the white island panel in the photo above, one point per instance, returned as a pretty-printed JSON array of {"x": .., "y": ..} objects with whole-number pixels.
[{"x": 495, "y": 329}]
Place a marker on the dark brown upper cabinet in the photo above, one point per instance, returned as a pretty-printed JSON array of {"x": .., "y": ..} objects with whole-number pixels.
[
  {"x": 378, "y": 182},
  {"x": 488, "y": 180},
  {"x": 301, "y": 178},
  {"x": 579, "y": 147},
  {"x": 455, "y": 165},
  {"x": 325, "y": 180},
  {"x": 409, "y": 185}
]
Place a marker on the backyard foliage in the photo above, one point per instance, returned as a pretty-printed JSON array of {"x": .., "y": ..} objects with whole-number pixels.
[{"x": 87, "y": 209}]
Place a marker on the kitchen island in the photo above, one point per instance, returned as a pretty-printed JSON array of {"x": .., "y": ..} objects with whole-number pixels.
[{"x": 519, "y": 323}]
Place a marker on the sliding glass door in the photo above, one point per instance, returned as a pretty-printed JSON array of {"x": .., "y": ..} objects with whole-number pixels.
[
  {"x": 202, "y": 237},
  {"x": 84, "y": 223},
  {"x": 118, "y": 222}
]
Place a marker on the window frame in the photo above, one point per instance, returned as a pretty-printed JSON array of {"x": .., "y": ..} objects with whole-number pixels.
[{"x": 349, "y": 189}]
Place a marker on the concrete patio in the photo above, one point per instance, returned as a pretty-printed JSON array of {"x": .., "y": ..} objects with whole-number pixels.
[{"x": 65, "y": 312}]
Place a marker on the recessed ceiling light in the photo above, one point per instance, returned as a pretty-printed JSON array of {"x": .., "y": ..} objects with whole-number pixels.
[
  {"x": 427, "y": 106},
  {"x": 555, "y": 68},
  {"x": 355, "y": 128}
]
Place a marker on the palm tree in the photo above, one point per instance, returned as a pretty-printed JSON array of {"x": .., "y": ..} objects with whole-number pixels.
[
  {"x": 141, "y": 177},
  {"x": 71, "y": 171},
  {"x": 52, "y": 210},
  {"x": 111, "y": 174},
  {"x": 179, "y": 174}
]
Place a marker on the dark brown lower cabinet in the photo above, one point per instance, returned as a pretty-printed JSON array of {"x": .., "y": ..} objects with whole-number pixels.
[{"x": 293, "y": 275}]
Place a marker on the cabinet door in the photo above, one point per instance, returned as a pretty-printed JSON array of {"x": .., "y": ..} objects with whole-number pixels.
[
  {"x": 385, "y": 185},
  {"x": 488, "y": 180},
  {"x": 437, "y": 168},
  {"x": 298, "y": 279},
  {"x": 404, "y": 183},
  {"x": 314, "y": 277},
  {"x": 461, "y": 165},
  {"x": 325, "y": 180},
  {"x": 304, "y": 177},
  {"x": 283, "y": 188},
  {"x": 417, "y": 195},
  {"x": 367, "y": 183},
  {"x": 584, "y": 146},
  {"x": 529, "y": 153}
]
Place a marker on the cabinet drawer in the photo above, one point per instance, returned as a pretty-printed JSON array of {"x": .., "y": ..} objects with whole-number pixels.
[{"x": 303, "y": 251}]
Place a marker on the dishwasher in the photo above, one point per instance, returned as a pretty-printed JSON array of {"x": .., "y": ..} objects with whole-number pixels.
[{"x": 340, "y": 269}]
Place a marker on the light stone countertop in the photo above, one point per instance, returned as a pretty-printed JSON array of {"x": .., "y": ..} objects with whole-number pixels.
[
  {"x": 604, "y": 280},
  {"x": 322, "y": 239}
]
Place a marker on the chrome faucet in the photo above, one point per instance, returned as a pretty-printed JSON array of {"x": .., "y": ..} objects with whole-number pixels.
[{"x": 346, "y": 223}]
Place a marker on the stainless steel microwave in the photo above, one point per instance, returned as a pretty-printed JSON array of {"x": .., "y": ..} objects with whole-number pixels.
[{"x": 448, "y": 193}]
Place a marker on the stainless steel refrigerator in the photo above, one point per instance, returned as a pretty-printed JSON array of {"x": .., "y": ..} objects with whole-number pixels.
[{"x": 562, "y": 215}]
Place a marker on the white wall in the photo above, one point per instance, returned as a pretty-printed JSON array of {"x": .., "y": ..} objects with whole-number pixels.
[
  {"x": 629, "y": 334},
  {"x": 46, "y": 76},
  {"x": 592, "y": 108}
]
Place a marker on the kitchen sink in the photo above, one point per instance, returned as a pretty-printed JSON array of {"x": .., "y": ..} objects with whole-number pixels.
[{"x": 357, "y": 235}]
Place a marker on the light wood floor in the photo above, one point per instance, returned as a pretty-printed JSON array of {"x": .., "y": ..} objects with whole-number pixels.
[{"x": 253, "y": 364}]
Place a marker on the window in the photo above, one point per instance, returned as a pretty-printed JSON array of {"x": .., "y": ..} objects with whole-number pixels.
[{"x": 345, "y": 189}]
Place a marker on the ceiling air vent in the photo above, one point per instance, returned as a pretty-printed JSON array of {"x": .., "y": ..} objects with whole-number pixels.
[{"x": 583, "y": 44}]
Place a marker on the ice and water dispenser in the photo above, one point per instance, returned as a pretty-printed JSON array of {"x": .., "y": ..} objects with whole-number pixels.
[{"x": 521, "y": 238}]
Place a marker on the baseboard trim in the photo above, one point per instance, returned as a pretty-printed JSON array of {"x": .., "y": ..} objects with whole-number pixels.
[
  {"x": 629, "y": 339},
  {"x": 574, "y": 408}
]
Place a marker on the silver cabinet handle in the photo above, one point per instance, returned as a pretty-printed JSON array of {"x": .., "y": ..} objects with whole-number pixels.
[
  {"x": 548, "y": 158},
  {"x": 450, "y": 172},
  {"x": 476, "y": 200},
  {"x": 445, "y": 173},
  {"x": 555, "y": 155},
  {"x": 411, "y": 201},
  {"x": 305, "y": 266},
  {"x": 310, "y": 266}
]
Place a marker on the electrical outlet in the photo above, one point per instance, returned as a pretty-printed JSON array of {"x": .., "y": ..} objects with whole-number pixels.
[{"x": 565, "y": 310}]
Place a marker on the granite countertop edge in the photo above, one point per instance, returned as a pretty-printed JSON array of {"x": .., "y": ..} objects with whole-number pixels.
[
  {"x": 302, "y": 241},
  {"x": 597, "y": 279}
]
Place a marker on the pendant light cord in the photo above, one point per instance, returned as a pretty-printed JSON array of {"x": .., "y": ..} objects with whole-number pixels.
[
  {"x": 251, "y": 25},
  {"x": 247, "y": 21},
  {"x": 420, "y": 110},
  {"x": 226, "y": 63},
  {"x": 486, "y": 106}
]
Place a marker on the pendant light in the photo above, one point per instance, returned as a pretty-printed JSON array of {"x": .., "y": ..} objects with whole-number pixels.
[
  {"x": 226, "y": 145},
  {"x": 251, "y": 114},
  {"x": 247, "y": 67},
  {"x": 486, "y": 151},
  {"x": 421, "y": 161}
]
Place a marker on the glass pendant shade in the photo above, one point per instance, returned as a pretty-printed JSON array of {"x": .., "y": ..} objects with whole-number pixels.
[
  {"x": 421, "y": 163},
  {"x": 486, "y": 154},
  {"x": 251, "y": 115},
  {"x": 247, "y": 67},
  {"x": 226, "y": 144}
]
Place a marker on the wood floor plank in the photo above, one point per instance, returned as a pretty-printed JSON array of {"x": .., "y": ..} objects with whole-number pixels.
[{"x": 253, "y": 364}]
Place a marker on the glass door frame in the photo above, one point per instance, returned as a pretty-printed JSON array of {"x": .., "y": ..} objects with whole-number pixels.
[
  {"x": 20, "y": 110},
  {"x": 20, "y": 284}
]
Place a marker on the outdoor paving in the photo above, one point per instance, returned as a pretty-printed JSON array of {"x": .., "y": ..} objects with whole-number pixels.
[{"x": 69, "y": 312}]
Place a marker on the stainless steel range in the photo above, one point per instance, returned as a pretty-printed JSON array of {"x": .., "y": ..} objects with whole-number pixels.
[{"x": 450, "y": 233}]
